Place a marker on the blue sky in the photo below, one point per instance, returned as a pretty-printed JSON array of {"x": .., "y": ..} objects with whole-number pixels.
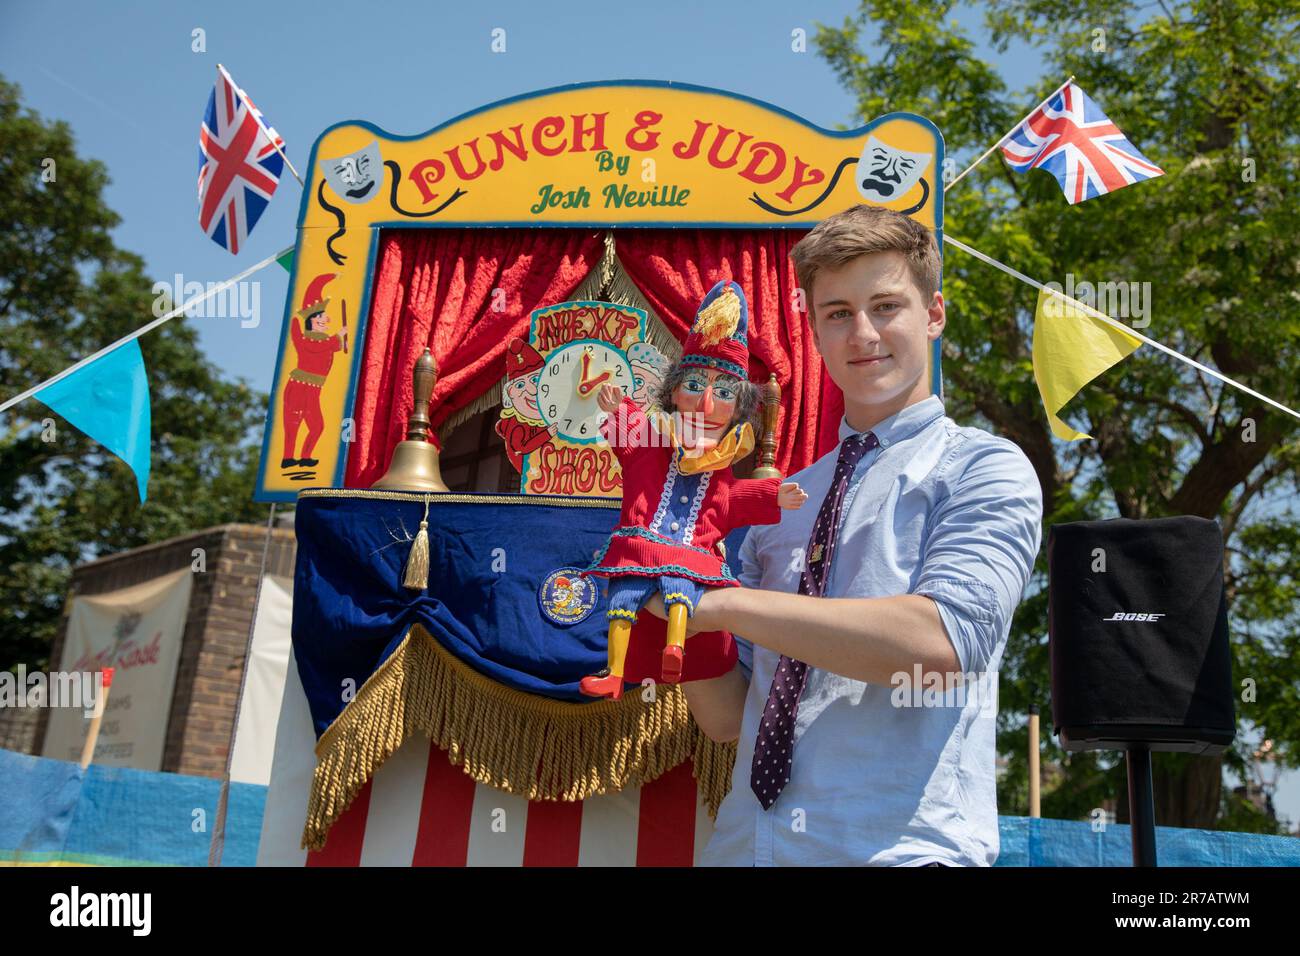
[{"x": 124, "y": 77}]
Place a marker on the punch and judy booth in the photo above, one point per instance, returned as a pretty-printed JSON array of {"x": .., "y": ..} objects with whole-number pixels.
[{"x": 522, "y": 255}]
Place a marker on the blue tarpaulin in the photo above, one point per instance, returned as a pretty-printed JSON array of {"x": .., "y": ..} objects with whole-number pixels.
[{"x": 52, "y": 812}]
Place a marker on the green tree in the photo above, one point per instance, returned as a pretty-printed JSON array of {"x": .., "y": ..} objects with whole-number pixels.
[
  {"x": 65, "y": 292},
  {"x": 1208, "y": 91}
]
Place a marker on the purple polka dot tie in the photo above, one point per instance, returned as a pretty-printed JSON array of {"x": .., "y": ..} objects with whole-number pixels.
[{"x": 774, "y": 747}]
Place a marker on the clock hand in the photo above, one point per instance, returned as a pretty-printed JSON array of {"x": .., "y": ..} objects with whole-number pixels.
[{"x": 585, "y": 388}]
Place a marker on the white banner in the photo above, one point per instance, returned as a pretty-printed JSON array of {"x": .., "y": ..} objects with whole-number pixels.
[
  {"x": 138, "y": 632},
  {"x": 268, "y": 663}
]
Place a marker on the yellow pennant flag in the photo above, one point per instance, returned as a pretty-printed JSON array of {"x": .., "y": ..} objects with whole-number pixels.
[{"x": 1071, "y": 348}]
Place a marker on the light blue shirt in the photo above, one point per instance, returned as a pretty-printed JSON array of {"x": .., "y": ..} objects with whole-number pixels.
[{"x": 893, "y": 775}]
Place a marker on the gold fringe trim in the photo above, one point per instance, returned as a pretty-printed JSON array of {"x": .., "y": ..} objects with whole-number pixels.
[
  {"x": 623, "y": 291},
  {"x": 598, "y": 277},
  {"x": 609, "y": 282},
  {"x": 489, "y": 399},
  {"x": 525, "y": 744}
]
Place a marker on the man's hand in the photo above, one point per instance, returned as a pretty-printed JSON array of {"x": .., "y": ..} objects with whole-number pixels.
[
  {"x": 790, "y": 495},
  {"x": 609, "y": 398},
  {"x": 693, "y": 623}
]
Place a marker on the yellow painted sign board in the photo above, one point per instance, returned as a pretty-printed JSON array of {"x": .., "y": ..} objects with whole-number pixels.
[{"x": 619, "y": 154}]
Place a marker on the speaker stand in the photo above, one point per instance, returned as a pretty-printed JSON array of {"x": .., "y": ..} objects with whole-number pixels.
[{"x": 1141, "y": 806}]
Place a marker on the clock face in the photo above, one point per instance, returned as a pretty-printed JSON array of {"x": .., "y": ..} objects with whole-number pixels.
[{"x": 570, "y": 382}]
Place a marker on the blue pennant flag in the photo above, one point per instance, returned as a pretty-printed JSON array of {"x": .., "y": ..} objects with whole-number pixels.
[{"x": 109, "y": 401}]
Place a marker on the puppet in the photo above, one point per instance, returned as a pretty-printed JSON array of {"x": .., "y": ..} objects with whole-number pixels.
[{"x": 680, "y": 498}]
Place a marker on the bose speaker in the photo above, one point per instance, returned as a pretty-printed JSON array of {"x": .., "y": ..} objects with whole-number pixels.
[{"x": 1138, "y": 625}]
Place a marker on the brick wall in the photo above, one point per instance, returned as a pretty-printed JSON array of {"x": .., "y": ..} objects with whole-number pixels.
[{"x": 216, "y": 630}]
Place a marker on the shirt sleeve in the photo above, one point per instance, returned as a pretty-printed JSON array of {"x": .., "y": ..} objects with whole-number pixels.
[
  {"x": 980, "y": 548},
  {"x": 751, "y": 574}
]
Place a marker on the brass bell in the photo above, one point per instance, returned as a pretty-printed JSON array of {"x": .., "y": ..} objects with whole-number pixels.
[{"x": 414, "y": 466}]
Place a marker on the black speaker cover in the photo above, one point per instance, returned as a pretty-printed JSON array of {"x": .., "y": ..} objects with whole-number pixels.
[{"x": 1139, "y": 651}]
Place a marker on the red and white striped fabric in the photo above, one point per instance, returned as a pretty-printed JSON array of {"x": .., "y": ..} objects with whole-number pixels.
[{"x": 419, "y": 810}]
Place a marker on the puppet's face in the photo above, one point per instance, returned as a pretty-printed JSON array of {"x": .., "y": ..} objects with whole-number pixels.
[
  {"x": 706, "y": 400},
  {"x": 522, "y": 393}
]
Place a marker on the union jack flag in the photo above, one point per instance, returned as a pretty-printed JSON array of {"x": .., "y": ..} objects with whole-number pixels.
[
  {"x": 239, "y": 167},
  {"x": 1078, "y": 144}
]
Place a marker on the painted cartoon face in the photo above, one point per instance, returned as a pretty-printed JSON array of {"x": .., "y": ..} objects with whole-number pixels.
[
  {"x": 649, "y": 367},
  {"x": 357, "y": 176},
  {"x": 522, "y": 394},
  {"x": 706, "y": 400},
  {"x": 320, "y": 322},
  {"x": 646, "y": 380},
  {"x": 886, "y": 173}
]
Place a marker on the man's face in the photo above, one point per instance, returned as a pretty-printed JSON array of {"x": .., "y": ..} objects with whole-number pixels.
[{"x": 873, "y": 330}]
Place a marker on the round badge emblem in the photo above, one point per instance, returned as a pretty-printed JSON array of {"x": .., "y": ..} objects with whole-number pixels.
[{"x": 565, "y": 597}]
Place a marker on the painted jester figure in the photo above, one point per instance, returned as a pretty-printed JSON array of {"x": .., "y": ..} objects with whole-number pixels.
[
  {"x": 315, "y": 347},
  {"x": 680, "y": 498}
]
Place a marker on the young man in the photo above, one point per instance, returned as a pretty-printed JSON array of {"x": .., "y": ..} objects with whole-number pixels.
[{"x": 908, "y": 559}]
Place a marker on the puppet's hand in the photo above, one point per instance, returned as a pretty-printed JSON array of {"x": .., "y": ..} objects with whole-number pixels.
[
  {"x": 790, "y": 495},
  {"x": 609, "y": 398}
]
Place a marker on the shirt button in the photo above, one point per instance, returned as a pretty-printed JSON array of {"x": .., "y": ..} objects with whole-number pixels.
[
  {"x": 683, "y": 499},
  {"x": 674, "y": 526}
]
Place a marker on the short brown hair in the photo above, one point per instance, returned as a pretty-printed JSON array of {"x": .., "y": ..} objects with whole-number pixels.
[{"x": 859, "y": 231}]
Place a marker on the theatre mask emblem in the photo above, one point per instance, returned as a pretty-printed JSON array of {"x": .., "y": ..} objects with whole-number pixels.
[
  {"x": 886, "y": 173},
  {"x": 356, "y": 177}
]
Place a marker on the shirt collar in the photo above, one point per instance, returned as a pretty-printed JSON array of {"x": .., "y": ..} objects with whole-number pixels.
[{"x": 901, "y": 424}]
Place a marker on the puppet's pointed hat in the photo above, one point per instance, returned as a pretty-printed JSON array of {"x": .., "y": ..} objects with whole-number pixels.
[{"x": 720, "y": 337}]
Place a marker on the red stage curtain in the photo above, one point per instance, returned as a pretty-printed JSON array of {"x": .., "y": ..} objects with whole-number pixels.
[
  {"x": 674, "y": 268},
  {"x": 434, "y": 288}
]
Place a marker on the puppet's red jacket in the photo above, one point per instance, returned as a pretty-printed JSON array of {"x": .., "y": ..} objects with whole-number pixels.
[{"x": 648, "y": 473}]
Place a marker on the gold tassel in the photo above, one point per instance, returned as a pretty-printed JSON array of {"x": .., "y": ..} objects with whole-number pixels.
[
  {"x": 417, "y": 565},
  {"x": 524, "y": 744},
  {"x": 719, "y": 318}
]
